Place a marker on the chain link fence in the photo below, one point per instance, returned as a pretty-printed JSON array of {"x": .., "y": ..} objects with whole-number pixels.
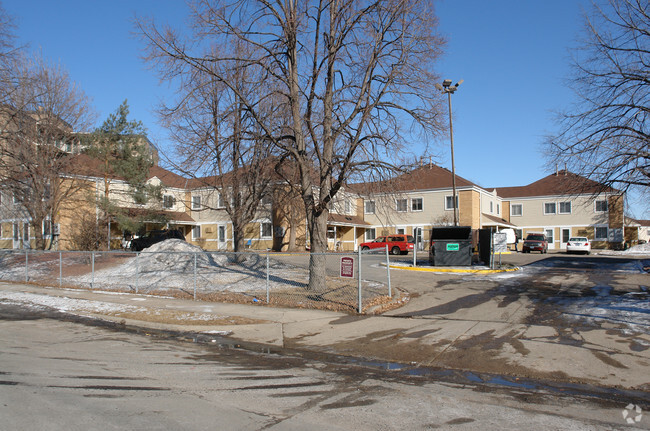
[{"x": 352, "y": 282}]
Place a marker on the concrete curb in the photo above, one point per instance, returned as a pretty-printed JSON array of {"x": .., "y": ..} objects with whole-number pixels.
[{"x": 454, "y": 270}]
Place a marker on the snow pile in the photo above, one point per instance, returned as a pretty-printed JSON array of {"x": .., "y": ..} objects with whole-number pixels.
[
  {"x": 641, "y": 249},
  {"x": 169, "y": 265}
]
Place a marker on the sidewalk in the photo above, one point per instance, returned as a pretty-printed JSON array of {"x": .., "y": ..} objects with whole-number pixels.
[{"x": 470, "y": 338}]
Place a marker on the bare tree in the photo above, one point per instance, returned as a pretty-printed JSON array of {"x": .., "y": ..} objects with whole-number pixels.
[
  {"x": 42, "y": 111},
  {"x": 605, "y": 136},
  {"x": 354, "y": 76},
  {"x": 219, "y": 143}
]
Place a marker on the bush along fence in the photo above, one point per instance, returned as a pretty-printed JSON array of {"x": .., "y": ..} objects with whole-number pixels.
[{"x": 353, "y": 282}]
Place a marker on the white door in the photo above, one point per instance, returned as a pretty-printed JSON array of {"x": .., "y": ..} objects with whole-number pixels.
[
  {"x": 566, "y": 234},
  {"x": 550, "y": 239},
  {"x": 16, "y": 236},
  {"x": 417, "y": 234},
  {"x": 221, "y": 231}
]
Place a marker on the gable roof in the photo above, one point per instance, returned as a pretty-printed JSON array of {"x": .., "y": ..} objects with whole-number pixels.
[
  {"x": 560, "y": 183},
  {"x": 427, "y": 177}
]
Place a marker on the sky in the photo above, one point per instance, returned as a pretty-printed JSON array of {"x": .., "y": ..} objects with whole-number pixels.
[{"x": 513, "y": 55}]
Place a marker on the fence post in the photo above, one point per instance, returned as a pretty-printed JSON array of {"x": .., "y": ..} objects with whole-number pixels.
[
  {"x": 26, "y": 265},
  {"x": 137, "y": 270},
  {"x": 60, "y": 269},
  {"x": 390, "y": 293},
  {"x": 92, "y": 270},
  {"x": 415, "y": 254},
  {"x": 195, "y": 276},
  {"x": 359, "y": 276},
  {"x": 268, "y": 292}
]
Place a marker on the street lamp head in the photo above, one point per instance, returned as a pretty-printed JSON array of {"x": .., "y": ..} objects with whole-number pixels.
[
  {"x": 439, "y": 86},
  {"x": 458, "y": 83},
  {"x": 446, "y": 83}
]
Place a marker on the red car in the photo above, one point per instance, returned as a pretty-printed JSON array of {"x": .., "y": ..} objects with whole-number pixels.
[
  {"x": 397, "y": 244},
  {"x": 535, "y": 242}
]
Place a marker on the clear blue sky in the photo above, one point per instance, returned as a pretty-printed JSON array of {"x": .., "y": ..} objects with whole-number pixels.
[{"x": 512, "y": 54}]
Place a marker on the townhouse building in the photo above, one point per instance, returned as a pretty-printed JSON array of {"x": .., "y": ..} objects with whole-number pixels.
[{"x": 561, "y": 205}]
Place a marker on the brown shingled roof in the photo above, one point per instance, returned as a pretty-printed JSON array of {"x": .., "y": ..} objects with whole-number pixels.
[
  {"x": 562, "y": 183},
  {"x": 427, "y": 177}
]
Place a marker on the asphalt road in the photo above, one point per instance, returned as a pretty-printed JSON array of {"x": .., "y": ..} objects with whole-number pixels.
[{"x": 61, "y": 375}]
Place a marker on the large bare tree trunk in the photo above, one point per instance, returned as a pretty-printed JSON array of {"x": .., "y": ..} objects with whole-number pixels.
[{"x": 317, "y": 258}]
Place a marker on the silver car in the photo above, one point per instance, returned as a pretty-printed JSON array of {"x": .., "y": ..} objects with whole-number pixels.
[{"x": 578, "y": 244}]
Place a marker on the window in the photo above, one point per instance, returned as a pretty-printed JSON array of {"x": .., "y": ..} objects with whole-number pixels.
[
  {"x": 267, "y": 200},
  {"x": 168, "y": 201},
  {"x": 266, "y": 230},
  {"x": 222, "y": 234},
  {"x": 331, "y": 232},
  {"x": 16, "y": 200},
  {"x": 549, "y": 208},
  {"x": 601, "y": 233},
  {"x": 601, "y": 206},
  {"x": 16, "y": 232},
  {"x": 565, "y": 207},
  {"x": 220, "y": 202},
  {"x": 498, "y": 209},
  {"x": 449, "y": 202},
  {"x": 549, "y": 236},
  {"x": 401, "y": 230},
  {"x": 516, "y": 209},
  {"x": 348, "y": 206},
  {"x": 47, "y": 228},
  {"x": 369, "y": 207},
  {"x": 416, "y": 204},
  {"x": 25, "y": 232},
  {"x": 196, "y": 232},
  {"x": 491, "y": 207},
  {"x": 196, "y": 202},
  {"x": 370, "y": 234},
  {"x": 402, "y": 205}
]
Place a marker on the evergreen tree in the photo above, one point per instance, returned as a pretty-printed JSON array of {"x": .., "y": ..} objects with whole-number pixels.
[{"x": 121, "y": 146}]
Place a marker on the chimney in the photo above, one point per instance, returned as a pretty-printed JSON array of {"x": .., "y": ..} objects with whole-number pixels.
[
  {"x": 565, "y": 171},
  {"x": 556, "y": 172}
]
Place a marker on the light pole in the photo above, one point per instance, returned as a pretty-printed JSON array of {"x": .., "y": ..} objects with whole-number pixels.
[{"x": 446, "y": 87}]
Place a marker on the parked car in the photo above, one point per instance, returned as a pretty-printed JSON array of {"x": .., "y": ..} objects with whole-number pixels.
[
  {"x": 578, "y": 244},
  {"x": 154, "y": 236},
  {"x": 397, "y": 244},
  {"x": 535, "y": 242}
]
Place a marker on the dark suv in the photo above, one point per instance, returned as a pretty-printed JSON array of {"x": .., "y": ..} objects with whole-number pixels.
[
  {"x": 535, "y": 242},
  {"x": 154, "y": 236}
]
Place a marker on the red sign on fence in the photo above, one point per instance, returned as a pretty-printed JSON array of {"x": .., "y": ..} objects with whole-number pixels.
[{"x": 347, "y": 267}]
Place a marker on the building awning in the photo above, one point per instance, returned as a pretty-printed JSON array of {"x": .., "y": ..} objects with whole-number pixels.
[
  {"x": 346, "y": 220},
  {"x": 175, "y": 217},
  {"x": 490, "y": 220}
]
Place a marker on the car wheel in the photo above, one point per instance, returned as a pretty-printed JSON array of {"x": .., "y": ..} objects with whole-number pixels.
[
  {"x": 395, "y": 251},
  {"x": 365, "y": 248}
]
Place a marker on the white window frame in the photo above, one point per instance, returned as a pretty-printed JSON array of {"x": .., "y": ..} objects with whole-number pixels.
[
  {"x": 347, "y": 206},
  {"x": 521, "y": 210},
  {"x": 270, "y": 225},
  {"x": 550, "y": 238},
  {"x": 413, "y": 200},
  {"x": 559, "y": 207},
  {"x": 596, "y": 210},
  {"x": 554, "y": 208},
  {"x": 222, "y": 228},
  {"x": 400, "y": 230},
  {"x": 601, "y": 238},
  {"x": 196, "y": 230},
  {"x": 491, "y": 207},
  {"x": 171, "y": 200},
  {"x": 406, "y": 205},
  {"x": 46, "y": 232},
  {"x": 221, "y": 203},
  {"x": 16, "y": 201},
  {"x": 266, "y": 200},
  {"x": 365, "y": 207},
  {"x": 370, "y": 237},
  {"x": 450, "y": 207},
  {"x": 196, "y": 202},
  {"x": 498, "y": 209}
]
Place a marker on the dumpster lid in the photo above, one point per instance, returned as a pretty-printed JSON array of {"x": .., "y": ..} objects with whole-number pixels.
[{"x": 451, "y": 232}]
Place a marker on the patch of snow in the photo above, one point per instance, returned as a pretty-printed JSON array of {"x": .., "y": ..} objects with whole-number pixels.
[
  {"x": 65, "y": 304},
  {"x": 640, "y": 249}
]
